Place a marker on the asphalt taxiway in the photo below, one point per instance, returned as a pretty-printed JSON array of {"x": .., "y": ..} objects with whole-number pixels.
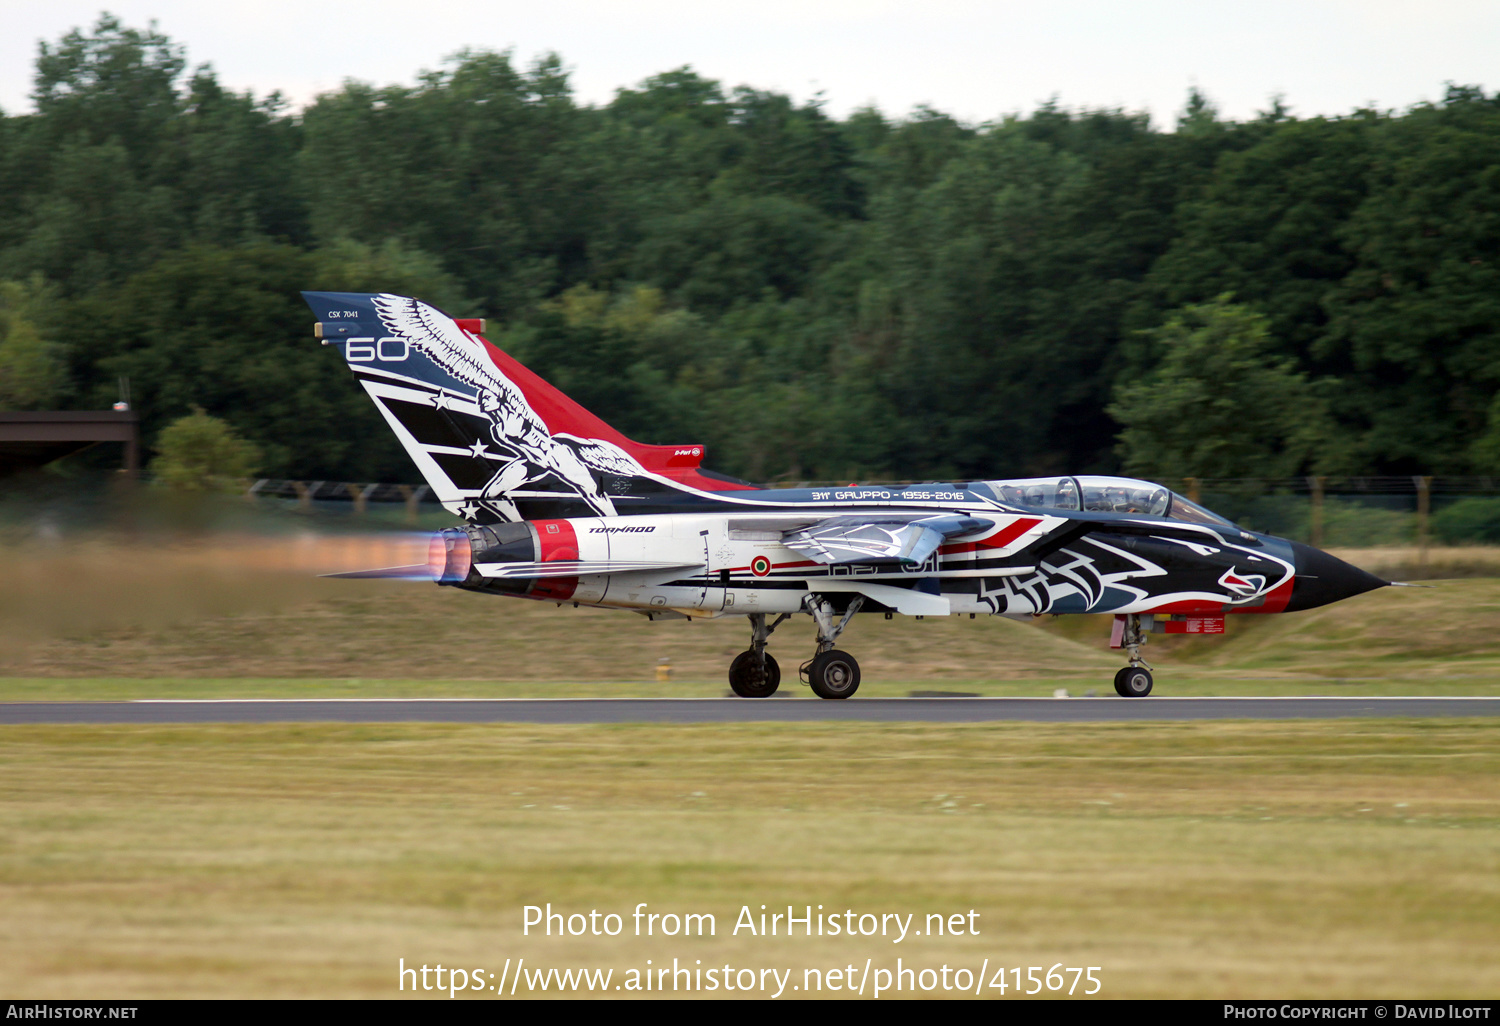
[{"x": 732, "y": 710}]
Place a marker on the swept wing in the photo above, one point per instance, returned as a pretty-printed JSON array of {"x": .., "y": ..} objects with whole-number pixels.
[{"x": 900, "y": 539}]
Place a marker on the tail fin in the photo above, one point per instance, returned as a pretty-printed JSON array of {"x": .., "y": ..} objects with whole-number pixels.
[{"x": 494, "y": 441}]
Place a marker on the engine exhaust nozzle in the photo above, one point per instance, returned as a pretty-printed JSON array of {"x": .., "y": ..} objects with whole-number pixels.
[{"x": 450, "y": 555}]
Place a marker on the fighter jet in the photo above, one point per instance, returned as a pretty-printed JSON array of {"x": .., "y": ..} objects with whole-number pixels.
[{"x": 560, "y": 507}]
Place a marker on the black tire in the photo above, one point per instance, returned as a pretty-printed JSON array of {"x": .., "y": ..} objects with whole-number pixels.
[
  {"x": 833, "y": 674},
  {"x": 1133, "y": 682},
  {"x": 747, "y": 678}
]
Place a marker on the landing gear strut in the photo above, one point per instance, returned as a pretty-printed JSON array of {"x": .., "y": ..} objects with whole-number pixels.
[
  {"x": 831, "y": 673},
  {"x": 755, "y": 672},
  {"x": 1134, "y": 681}
]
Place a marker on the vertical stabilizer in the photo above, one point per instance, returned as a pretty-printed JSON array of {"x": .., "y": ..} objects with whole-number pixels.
[{"x": 493, "y": 440}]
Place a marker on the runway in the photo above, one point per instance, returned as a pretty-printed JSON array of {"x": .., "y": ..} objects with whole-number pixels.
[{"x": 731, "y": 710}]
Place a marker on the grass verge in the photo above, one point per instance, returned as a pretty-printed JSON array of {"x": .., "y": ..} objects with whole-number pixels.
[{"x": 1304, "y": 859}]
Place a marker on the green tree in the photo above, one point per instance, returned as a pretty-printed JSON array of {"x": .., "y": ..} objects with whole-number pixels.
[
  {"x": 226, "y": 329},
  {"x": 234, "y": 166},
  {"x": 199, "y": 453},
  {"x": 1414, "y": 327},
  {"x": 999, "y": 285},
  {"x": 476, "y": 163},
  {"x": 1485, "y": 452},
  {"x": 795, "y": 152},
  {"x": 33, "y": 373},
  {"x": 92, "y": 169},
  {"x": 1218, "y": 403},
  {"x": 120, "y": 164},
  {"x": 1266, "y": 225},
  {"x": 113, "y": 83},
  {"x": 730, "y": 250}
]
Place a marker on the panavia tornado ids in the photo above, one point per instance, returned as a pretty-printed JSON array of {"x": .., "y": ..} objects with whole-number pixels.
[{"x": 559, "y": 506}]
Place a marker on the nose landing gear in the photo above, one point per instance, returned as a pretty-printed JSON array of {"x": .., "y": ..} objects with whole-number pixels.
[{"x": 1133, "y": 681}]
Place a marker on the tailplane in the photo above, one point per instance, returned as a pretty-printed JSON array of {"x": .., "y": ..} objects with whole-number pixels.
[{"x": 494, "y": 441}]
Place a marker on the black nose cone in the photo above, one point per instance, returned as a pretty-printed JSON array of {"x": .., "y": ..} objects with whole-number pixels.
[{"x": 1322, "y": 579}]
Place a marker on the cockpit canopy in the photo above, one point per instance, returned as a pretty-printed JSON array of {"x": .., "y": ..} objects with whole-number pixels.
[{"x": 1097, "y": 494}]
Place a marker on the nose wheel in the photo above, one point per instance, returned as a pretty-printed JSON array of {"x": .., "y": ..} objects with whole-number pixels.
[{"x": 1133, "y": 682}]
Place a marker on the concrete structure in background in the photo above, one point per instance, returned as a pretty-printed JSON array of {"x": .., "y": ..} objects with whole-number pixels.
[{"x": 31, "y": 440}]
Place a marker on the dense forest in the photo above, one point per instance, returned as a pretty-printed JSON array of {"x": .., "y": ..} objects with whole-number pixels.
[{"x": 1070, "y": 290}]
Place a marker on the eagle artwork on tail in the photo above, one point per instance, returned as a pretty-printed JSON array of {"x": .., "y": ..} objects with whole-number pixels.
[{"x": 529, "y": 452}]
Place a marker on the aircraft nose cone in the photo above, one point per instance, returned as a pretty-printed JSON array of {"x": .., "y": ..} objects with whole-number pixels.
[{"x": 1322, "y": 579}]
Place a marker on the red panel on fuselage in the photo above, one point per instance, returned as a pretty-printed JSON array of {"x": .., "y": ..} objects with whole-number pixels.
[
  {"x": 1275, "y": 602},
  {"x": 557, "y": 540}
]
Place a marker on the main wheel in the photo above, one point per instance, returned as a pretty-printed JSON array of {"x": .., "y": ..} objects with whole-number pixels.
[
  {"x": 750, "y": 678},
  {"x": 833, "y": 674},
  {"x": 1133, "y": 682}
]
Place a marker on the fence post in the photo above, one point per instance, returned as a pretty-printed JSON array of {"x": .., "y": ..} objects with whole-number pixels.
[
  {"x": 358, "y": 495},
  {"x": 1424, "y": 508},
  {"x": 1316, "y": 483},
  {"x": 304, "y": 496},
  {"x": 1192, "y": 489},
  {"x": 408, "y": 495}
]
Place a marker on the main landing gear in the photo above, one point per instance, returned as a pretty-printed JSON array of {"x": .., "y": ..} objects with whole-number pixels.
[
  {"x": 1133, "y": 681},
  {"x": 830, "y": 673},
  {"x": 755, "y": 672}
]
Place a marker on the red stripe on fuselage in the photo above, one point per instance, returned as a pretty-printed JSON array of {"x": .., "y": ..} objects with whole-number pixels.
[
  {"x": 1275, "y": 602},
  {"x": 998, "y": 540}
]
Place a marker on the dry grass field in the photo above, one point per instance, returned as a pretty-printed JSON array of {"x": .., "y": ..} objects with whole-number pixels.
[{"x": 1188, "y": 860}]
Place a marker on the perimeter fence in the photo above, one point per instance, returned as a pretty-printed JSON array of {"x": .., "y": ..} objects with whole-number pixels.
[{"x": 1358, "y": 512}]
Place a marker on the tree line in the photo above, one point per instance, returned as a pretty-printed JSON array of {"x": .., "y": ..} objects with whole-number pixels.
[{"x": 812, "y": 297}]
